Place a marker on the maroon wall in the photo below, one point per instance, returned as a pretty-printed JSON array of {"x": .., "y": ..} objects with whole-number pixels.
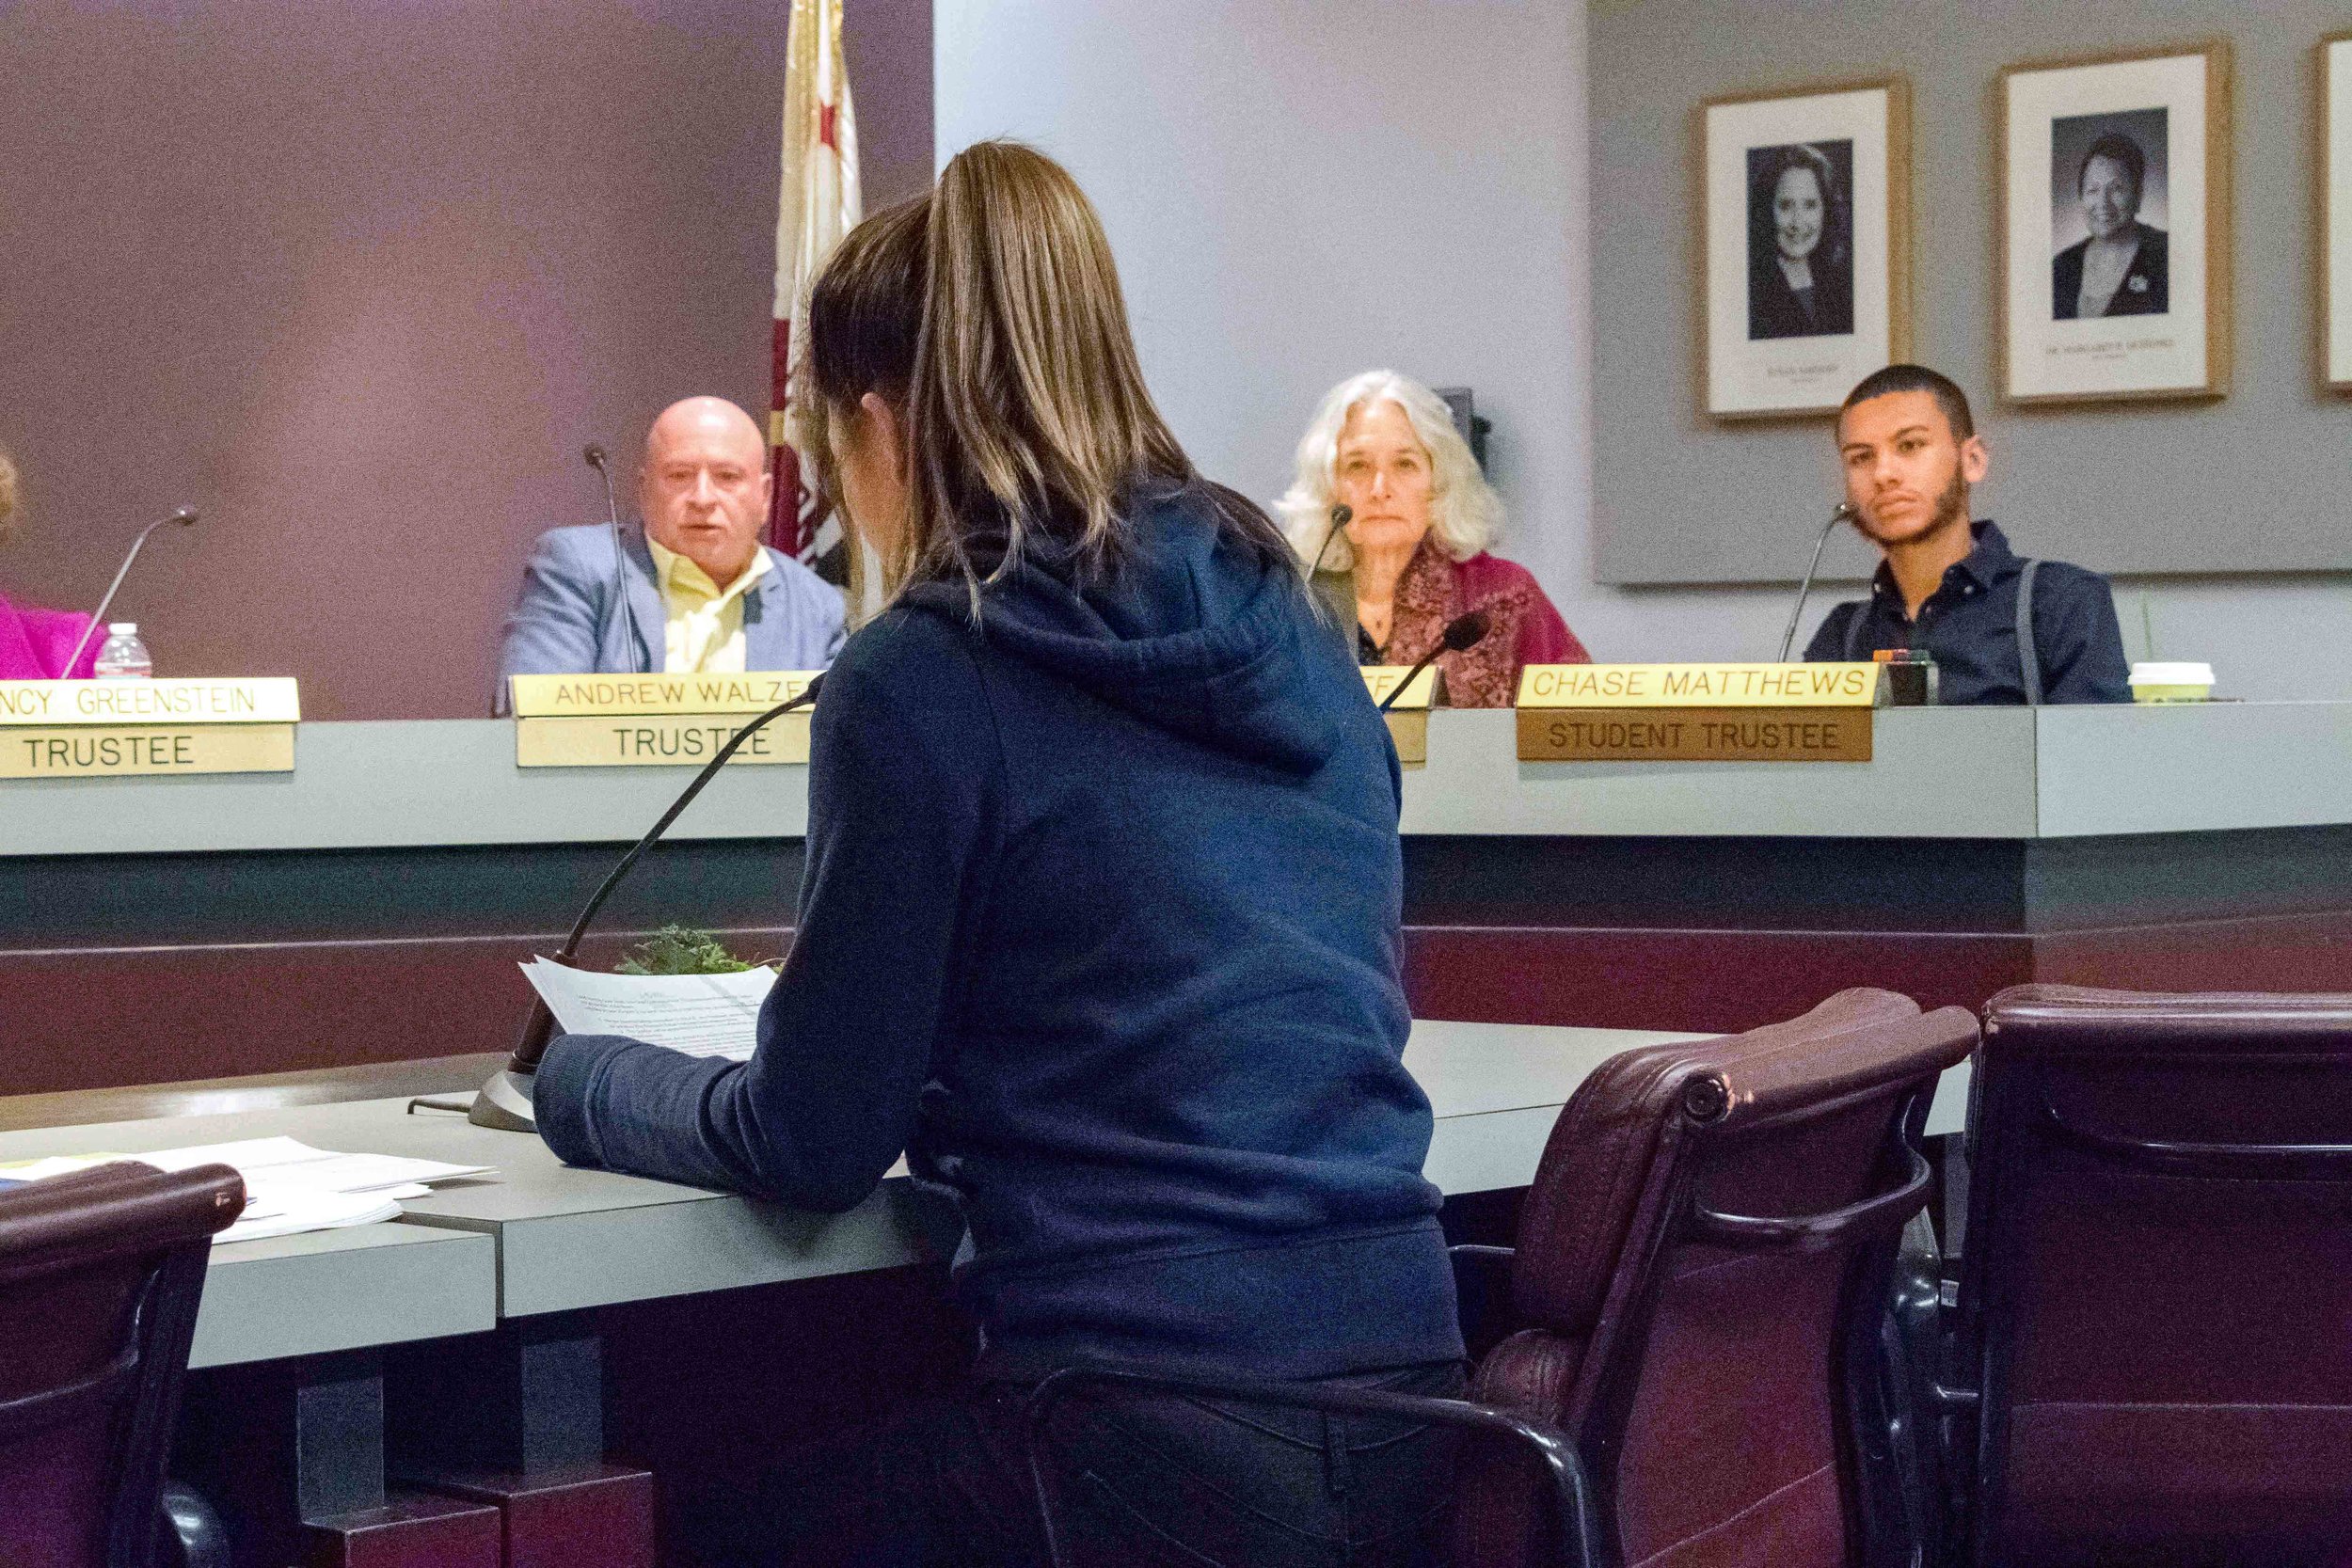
[{"x": 357, "y": 279}]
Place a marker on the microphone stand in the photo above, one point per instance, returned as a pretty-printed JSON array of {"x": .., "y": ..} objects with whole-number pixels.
[
  {"x": 505, "y": 1102},
  {"x": 1340, "y": 517},
  {"x": 1843, "y": 512},
  {"x": 185, "y": 517},
  {"x": 1463, "y": 632},
  {"x": 596, "y": 458}
]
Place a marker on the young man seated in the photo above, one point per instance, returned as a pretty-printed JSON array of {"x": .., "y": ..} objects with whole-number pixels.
[{"x": 1949, "y": 587}]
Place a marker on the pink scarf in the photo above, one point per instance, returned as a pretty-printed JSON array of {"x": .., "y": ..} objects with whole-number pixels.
[{"x": 34, "y": 644}]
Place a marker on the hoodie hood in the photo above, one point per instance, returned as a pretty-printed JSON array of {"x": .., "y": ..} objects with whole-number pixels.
[{"x": 1192, "y": 635}]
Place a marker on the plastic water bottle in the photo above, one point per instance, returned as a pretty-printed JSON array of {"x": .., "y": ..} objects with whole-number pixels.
[{"x": 122, "y": 657}]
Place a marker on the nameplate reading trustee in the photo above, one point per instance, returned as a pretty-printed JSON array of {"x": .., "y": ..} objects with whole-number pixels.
[
  {"x": 655, "y": 720},
  {"x": 80, "y": 729}
]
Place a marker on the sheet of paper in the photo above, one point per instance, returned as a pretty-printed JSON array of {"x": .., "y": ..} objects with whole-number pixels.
[
  {"x": 289, "y": 1186},
  {"x": 700, "y": 1015},
  {"x": 288, "y": 1162},
  {"x": 56, "y": 1164},
  {"x": 290, "y": 1211}
]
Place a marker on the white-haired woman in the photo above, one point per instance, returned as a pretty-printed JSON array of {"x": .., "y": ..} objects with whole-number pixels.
[{"x": 1413, "y": 554}]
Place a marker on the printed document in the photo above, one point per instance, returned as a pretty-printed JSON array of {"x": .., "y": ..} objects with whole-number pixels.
[
  {"x": 289, "y": 1186},
  {"x": 702, "y": 1015}
]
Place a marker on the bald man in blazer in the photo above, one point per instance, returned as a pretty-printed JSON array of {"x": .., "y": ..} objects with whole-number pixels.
[{"x": 694, "y": 590}]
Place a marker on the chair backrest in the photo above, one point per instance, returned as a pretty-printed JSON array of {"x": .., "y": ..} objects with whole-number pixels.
[
  {"x": 1702, "y": 1256},
  {"x": 2156, "y": 1292},
  {"x": 99, "y": 1277}
]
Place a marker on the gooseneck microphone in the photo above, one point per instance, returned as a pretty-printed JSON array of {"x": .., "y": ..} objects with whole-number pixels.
[
  {"x": 594, "y": 456},
  {"x": 1340, "y": 517},
  {"x": 185, "y": 517},
  {"x": 1463, "y": 632},
  {"x": 505, "y": 1102},
  {"x": 1842, "y": 512}
]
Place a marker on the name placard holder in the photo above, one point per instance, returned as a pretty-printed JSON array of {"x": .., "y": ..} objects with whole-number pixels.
[
  {"x": 1409, "y": 715},
  {"x": 655, "y": 740},
  {"x": 655, "y": 721},
  {"x": 142, "y": 728},
  {"x": 1697, "y": 712},
  {"x": 1694, "y": 735}
]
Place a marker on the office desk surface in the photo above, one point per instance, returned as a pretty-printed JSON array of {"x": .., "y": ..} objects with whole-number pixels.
[
  {"x": 2052, "y": 772},
  {"x": 542, "y": 1237},
  {"x": 343, "y": 1290}
]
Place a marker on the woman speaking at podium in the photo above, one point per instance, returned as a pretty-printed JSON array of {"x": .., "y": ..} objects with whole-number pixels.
[
  {"x": 35, "y": 643},
  {"x": 1099, "y": 924}
]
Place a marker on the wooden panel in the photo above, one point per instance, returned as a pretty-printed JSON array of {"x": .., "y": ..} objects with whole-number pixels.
[
  {"x": 2287, "y": 953},
  {"x": 1729, "y": 980},
  {"x": 115, "y": 1016},
  {"x": 1697, "y": 980},
  {"x": 409, "y": 1531},
  {"x": 591, "y": 1517},
  {"x": 106, "y": 1017}
]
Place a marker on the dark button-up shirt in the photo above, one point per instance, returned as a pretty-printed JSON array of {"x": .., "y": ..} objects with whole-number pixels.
[{"x": 1969, "y": 626}]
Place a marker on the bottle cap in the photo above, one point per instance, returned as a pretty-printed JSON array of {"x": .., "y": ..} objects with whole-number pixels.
[{"x": 123, "y": 628}]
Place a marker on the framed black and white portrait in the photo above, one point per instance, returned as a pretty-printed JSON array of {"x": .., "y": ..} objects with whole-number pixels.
[
  {"x": 1806, "y": 214},
  {"x": 2335, "y": 211},
  {"x": 2115, "y": 244}
]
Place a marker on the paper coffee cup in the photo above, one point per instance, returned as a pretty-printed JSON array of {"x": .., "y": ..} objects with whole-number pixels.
[{"x": 2171, "y": 683}]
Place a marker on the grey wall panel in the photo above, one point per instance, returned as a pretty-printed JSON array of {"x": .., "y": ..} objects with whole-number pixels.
[{"x": 2252, "y": 484}]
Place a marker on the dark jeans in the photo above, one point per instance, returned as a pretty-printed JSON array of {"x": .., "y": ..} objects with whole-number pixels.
[{"x": 1203, "y": 1483}]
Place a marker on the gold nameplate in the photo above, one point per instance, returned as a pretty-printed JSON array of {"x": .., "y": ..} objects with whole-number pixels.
[
  {"x": 271, "y": 701},
  {"x": 88, "y": 750},
  {"x": 1410, "y": 732},
  {"x": 655, "y": 740},
  {"x": 1695, "y": 734},
  {"x": 1700, "y": 685},
  {"x": 580, "y": 696},
  {"x": 1380, "y": 679}
]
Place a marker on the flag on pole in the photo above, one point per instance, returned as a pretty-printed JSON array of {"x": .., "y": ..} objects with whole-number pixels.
[{"x": 818, "y": 204}]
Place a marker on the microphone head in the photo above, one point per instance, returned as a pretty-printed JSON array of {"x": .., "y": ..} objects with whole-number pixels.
[
  {"x": 1464, "y": 631},
  {"x": 594, "y": 455},
  {"x": 1843, "y": 512},
  {"x": 1341, "y": 515},
  {"x": 184, "y": 516}
]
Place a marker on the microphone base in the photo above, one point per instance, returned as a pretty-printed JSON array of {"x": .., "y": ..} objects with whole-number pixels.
[{"x": 505, "y": 1103}]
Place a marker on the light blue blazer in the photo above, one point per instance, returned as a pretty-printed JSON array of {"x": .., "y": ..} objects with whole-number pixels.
[{"x": 569, "y": 623}]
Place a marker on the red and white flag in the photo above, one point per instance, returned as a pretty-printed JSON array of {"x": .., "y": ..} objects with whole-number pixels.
[{"x": 818, "y": 205}]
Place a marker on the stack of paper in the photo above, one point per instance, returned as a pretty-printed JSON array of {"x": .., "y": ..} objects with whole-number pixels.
[
  {"x": 289, "y": 1186},
  {"x": 700, "y": 1015}
]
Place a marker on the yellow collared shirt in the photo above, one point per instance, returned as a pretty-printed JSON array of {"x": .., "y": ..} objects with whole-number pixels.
[{"x": 704, "y": 629}]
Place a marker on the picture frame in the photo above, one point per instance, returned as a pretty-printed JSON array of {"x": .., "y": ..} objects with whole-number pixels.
[
  {"x": 1804, "y": 265},
  {"x": 2334, "y": 228},
  {"x": 2113, "y": 181}
]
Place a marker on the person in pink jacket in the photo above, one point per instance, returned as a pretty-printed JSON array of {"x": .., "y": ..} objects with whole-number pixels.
[
  {"x": 1413, "y": 556},
  {"x": 34, "y": 644}
]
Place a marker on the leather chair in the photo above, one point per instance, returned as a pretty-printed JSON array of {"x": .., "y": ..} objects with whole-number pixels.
[
  {"x": 100, "y": 1276},
  {"x": 2155, "y": 1300},
  {"x": 1704, "y": 1262}
]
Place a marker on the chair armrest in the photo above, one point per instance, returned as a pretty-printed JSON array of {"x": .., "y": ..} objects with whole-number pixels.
[
  {"x": 193, "y": 1536},
  {"x": 1888, "y": 1210},
  {"x": 1579, "y": 1538},
  {"x": 2255, "y": 1162},
  {"x": 1481, "y": 1256}
]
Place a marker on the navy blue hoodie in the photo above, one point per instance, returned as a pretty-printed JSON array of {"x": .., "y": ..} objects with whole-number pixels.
[{"x": 1100, "y": 924}]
